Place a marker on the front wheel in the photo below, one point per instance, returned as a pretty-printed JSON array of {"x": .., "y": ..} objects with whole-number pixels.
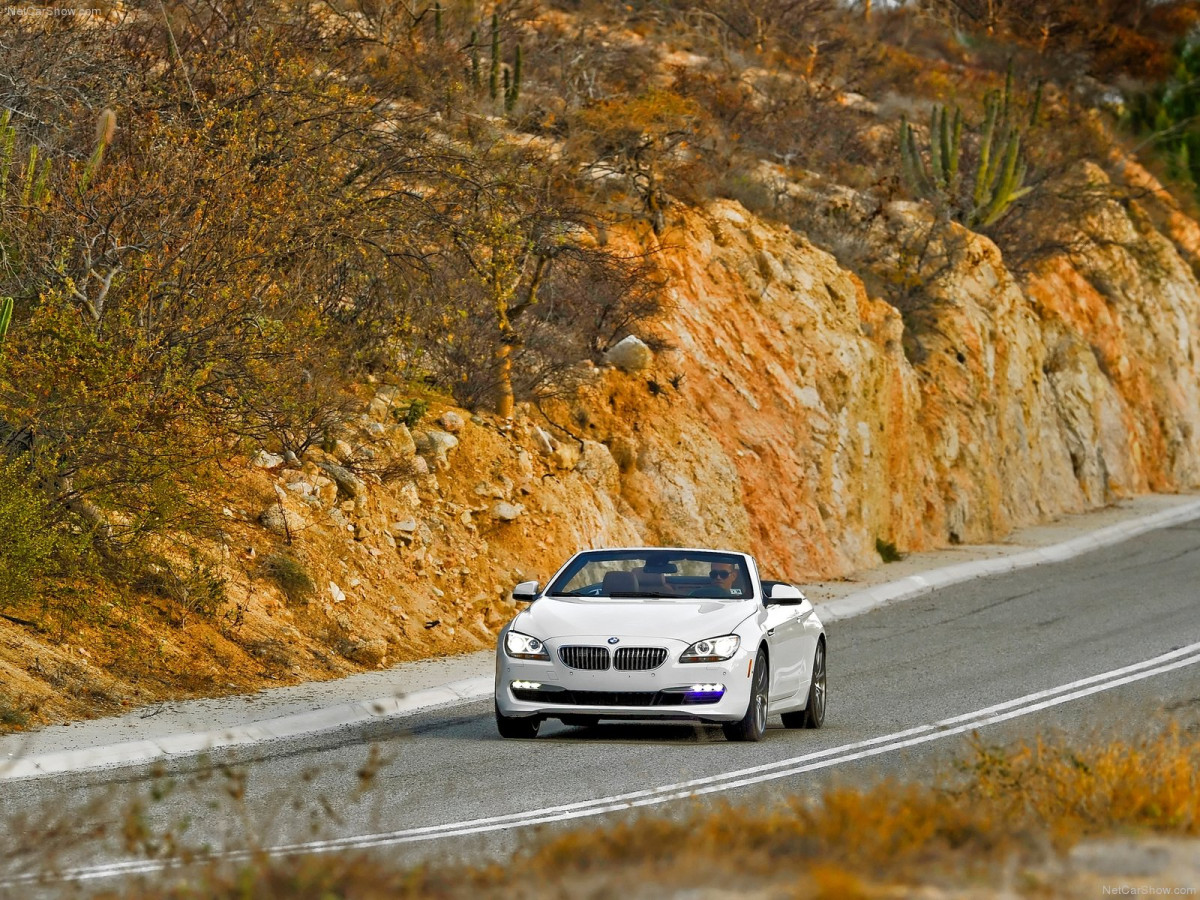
[
  {"x": 516, "y": 727},
  {"x": 754, "y": 723},
  {"x": 813, "y": 714}
]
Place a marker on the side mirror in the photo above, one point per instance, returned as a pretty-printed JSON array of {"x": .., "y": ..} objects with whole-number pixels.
[
  {"x": 525, "y": 592},
  {"x": 786, "y": 595}
]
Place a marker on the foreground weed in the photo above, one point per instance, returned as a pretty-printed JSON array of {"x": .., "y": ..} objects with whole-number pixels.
[{"x": 998, "y": 809}]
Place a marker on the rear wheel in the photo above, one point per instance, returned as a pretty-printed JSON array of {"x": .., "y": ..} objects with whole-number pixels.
[
  {"x": 517, "y": 727},
  {"x": 754, "y": 723}
]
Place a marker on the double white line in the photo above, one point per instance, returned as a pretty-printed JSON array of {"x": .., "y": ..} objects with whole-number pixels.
[{"x": 784, "y": 768}]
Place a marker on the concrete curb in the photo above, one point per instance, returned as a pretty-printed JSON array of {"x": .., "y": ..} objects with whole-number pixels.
[
  {"x": 352, "y": 714},
  {"x": 315, "y": 722}
]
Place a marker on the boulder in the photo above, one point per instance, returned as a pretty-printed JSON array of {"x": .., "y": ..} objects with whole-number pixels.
[
  {"x": 370, "y": 652},
  {"x": 543, "y": 441},
  {"x": 630, "y": 354},
  {"x": 264, "y": 460},
  {"x": 566, "y": 456},
  {"x": 507, "y": 512},
  {"x": 401, "y": 441},
  {"x": 451, "y": 421},
  {"x": 348, "y": 484},
  {"x": 279, "y": 520},
  {"x": 403, "y": 529},
  {"x": 435, "y": 446},
  {"x": 379, "y": 410},
  {"x": 597, "y": 465}
]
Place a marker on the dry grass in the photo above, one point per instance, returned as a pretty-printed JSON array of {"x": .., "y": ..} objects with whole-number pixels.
[{"x": 1000, "y": 819}]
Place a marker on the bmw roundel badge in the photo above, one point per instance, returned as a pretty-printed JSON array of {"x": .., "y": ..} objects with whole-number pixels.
[{"x": 614, "y": 640}]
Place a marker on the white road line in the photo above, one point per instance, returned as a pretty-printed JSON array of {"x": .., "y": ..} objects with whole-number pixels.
[{"x": 809, "y": 762}]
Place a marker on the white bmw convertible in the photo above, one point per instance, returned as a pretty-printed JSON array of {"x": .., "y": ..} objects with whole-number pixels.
[{"x": 661, "y": 633}]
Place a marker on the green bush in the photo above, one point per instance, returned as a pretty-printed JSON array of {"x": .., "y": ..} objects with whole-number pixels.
[
  {"x": 28, "y": 539},
  {"x": 415, "y": 412},
  {"x": 887, "y": 551},
  {"x": 291, "y": 576},
  {"x": 196, "y": 589}
]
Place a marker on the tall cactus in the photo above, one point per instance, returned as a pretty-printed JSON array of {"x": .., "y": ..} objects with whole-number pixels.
[
  {"x": 8, "y": 143},
  {"x": 999, "y": 175},
  {"x": 494, "y": 78},
  {"x": 474, "y": 61},
  {"x": 6, "y": 308},
  {"x": 512, "y": 86},
  {"x": 106, "y": 127}
]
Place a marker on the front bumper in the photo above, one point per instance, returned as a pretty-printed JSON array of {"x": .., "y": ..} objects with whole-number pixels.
[{"x": 674, "y": 690}]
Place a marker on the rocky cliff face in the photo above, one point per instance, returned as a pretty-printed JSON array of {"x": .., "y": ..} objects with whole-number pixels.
[
  {"x": 802, "y": 431},
  {"x": 797, "y": 417}
]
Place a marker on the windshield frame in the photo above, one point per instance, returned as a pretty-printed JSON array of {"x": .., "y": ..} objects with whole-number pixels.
[{"x": 558, "y": 584}]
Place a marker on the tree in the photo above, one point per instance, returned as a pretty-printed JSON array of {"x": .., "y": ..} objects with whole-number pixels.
[{"x": 649, "y": 144}]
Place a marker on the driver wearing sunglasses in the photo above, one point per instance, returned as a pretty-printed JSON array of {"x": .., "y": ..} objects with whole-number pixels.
[{"x": 724, "y": 575}]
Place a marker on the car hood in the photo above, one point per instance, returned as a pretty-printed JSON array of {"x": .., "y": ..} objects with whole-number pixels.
[{"x": 683, "y": 620}]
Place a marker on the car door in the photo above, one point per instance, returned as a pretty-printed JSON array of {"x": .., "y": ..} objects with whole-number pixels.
[{"x": 787, "y": 640}]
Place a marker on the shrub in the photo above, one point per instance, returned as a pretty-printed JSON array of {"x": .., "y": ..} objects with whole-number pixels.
[
  {"x": 887, "y": 551},
  {"x": 291, "y": 576},
  {"x": 415, "y": 412},
  {"x": 196, "y": 588},
  {"x": 28, "y": 539}
]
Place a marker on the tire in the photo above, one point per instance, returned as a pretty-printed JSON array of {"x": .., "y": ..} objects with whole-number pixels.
[
  {"x": 580, "y": 721},
  {"x": 754, "y": 723},
  {"x": 816, "y": 697},
  {"x": 517, "y": 727},
  {"x": 814, "y": 712}
]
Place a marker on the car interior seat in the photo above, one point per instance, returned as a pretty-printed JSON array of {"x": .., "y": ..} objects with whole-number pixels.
[{"x": 619, "y": 583}]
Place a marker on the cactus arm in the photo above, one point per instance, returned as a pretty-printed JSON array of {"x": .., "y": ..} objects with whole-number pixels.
[
  {"x": 1009, "y": 190},
  {"x": 936, "y": 163},
  {"x": 982, "y": 182},
  {"x": 40, "y": 193},
  {"x": 913, "y": 165},
  {"x": 955, "y": 146},
  {"x": 517, "y": 74},
  {"x": 494, "y": 78},
  {"x": 474, "y": 61},
  {"x": 8, "y": 137},
  {"x": 512, "y": 88},
  {"x": 6, "y": 308},
  {"x": 1037, "y": 104},
  {"x": 30, "y": 172}
]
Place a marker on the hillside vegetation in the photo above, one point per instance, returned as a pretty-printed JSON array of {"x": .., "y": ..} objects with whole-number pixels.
[{"x": 236, "y": 232}]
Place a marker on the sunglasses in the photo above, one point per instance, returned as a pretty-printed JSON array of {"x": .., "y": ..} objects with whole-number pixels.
[{"x": 717, "y": 573}]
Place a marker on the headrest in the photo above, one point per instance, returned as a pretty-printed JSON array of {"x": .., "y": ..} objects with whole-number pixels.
[
  {"x": 620, "y": 582},
  {"x": 651, "y": 581}
]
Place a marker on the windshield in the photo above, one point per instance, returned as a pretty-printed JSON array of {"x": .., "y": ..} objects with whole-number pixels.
[{"x": 654, "y": 573}]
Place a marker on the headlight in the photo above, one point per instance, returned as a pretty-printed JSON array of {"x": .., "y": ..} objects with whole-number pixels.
[
  {"x": 522, "y": 646},
  {"x": 712, "y": 649}
]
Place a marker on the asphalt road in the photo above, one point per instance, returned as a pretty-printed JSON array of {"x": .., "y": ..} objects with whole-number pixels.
[{"x": 1105, "y": 644}]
